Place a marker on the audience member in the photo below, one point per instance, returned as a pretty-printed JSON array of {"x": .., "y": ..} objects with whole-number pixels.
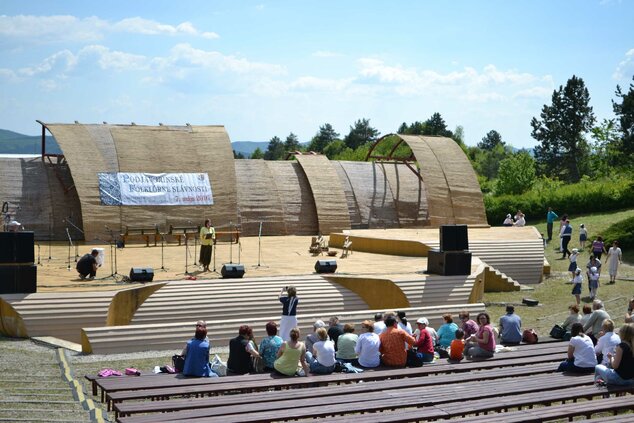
[
  {"x": 456, "y": 349},
  {"x": 608, "y": 340},
  {"x": 593, "y": 326},
  {"x": 508, "y": 221},
  {"x": 424, "y": 343},
  {"x": 629, "y": 316},
  {"x": 447, "y": 331},
  {"x": 482, "y": 344},
  {"x": 334, "y": 329},
  {"x": 367, "y": 347},
  {"x": 312, "y": 338},
  {"x": 469, "y": 326},
  {"x": 291, "y": 355},
  {"x": 573, "y": 317},
  {"x": 587, "y": 313},
  {"x": 423, "y": 323},
  {"x": 392, "y": 340},
  {"x": 196, "y": 353},
  {"x": 379, "y": 324},
  {"x": 270, "y": 346},
  {"x": 510, "y": 327},
  {"x": 403, "y": 323},
  {"x": 322, "y": 359},
  {"x": 621, "y": 363},
  {"x": 520, "y": 220},
  {"x": 614, "y": 259},
  {"x": 289, "y": 302},
  {"x": 241, "y": 351},
  {"x": 346, "y": 344},
  {"x": 581, "y": 357}
]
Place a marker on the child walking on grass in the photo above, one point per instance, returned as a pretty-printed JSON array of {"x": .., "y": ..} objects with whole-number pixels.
[
  {"x": 594, "y": 282},
  {"x": 572, "y": 268},
  {"x": 576, "y": 285},
  {"x": 583, "y": 237}
]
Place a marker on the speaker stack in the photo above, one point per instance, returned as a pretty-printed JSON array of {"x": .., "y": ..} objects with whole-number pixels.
[
  {"x": 141, "y": 274},
  {"x": 454, "y": 257},
  {"x": 18, "y": 272}
]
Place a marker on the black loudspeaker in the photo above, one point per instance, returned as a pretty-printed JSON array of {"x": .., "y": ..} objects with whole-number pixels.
[
  {"x": 17, "y": 247},
  {"x": 232, "y": 271},
  {"x": 449, "y": 263},
  {"x": 141, "y": 274},
  {"x": 454, "y": 238},
  {"x": 326, "y": 266},
  {"x": 18, "y": 279}
]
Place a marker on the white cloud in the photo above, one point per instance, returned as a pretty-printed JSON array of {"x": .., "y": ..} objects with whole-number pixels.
[
  {"x": 114, "y": 60},
  {"x": 534, "y": 92},
  {"x": 67, "y": 28},
  {"x": 62, "y": 61},
  {"x": 626, "y": 67}
]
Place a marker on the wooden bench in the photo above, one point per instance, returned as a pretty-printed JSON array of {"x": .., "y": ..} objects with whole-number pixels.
[
  {"x": 141, "y": 233},
  {"x": 167, "y": 386},
  {"x": 182, "y": 232}
]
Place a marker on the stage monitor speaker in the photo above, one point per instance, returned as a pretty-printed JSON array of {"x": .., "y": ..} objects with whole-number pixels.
[
  {"x": 454, "y": 238},
  {"x": 232, "y": 271},
  {"x": 18, "y": 279},
  {"x": 17, "y": 247},
  {"x": 449, "y": 263},
  {"x": 141, "y": 274},
  {"x": 326, "y": 266}
]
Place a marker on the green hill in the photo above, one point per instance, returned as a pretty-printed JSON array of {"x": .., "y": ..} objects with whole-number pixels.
[{"x": 16, "y": 143}]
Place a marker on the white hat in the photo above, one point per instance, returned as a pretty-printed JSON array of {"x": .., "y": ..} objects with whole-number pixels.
[
  {"x": 593, "y": 269},
  {"x": 575, "y": 250},
  {"x": 318, "y": 324},
  {"x": 423, "y": 321}
]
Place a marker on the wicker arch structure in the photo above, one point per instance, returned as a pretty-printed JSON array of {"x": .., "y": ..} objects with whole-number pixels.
[
  {"x": 452, "y": 190},
  {"x": 89, "y": 149}
]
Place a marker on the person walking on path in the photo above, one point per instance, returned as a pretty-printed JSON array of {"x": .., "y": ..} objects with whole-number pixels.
[
  {"x": 614, "y": 258},
  {"x": 583, "y": 237},
  {"x": 551, "y": 216},
  {"x": 566, "y": 234},
  {"x": 598, "y": 247}
]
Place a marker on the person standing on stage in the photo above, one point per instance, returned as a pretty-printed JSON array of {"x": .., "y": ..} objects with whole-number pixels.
[
  {"x": 289, "y": 311},
  {"x": 207, "y": 238},
  {"x": 87, "y": 265}
]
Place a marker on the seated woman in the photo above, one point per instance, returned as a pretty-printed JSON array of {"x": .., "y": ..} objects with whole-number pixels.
[
  {"x": 346, "y": 344},
  {"x": 622, "y": 362},
  {"x": 291, "y": 355},
  {"x": 581, "y": 357},
  {"x": 270, "y": 345},
  {"x": 629, "y": 316},
  {"x": 322, "y": 359},
  {"x": 573, "y": 317},
  {"x": 424, "y": 342},
  {"x": 196, "y": 353},
  {"x": 446, "y": 334},
  {"x": 482, "y": 344},
  {"x": 508, "y": 221},
  {"x": 367, "y": 347},
  {"x": 241, "y": 350}
]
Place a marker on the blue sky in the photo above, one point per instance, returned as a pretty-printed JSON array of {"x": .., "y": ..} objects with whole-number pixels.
[{"x": 270, "y": 68}]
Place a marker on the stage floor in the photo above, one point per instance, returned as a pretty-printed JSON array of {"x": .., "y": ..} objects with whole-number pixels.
[{"x": 278, "y": 256}]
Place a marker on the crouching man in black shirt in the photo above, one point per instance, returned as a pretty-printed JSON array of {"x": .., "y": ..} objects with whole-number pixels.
[{"x": 87, "y": 265}]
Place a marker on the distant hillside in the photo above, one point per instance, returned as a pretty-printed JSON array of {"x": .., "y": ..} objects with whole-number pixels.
[
  {"x": 16, "y": 143},
  {"x": 248, "y": 147}
]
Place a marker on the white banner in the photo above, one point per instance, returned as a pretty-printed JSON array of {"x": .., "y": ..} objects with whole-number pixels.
[{"x": 155, "y": 189}]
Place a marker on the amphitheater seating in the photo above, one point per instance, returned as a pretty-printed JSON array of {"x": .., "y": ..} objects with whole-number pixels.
[
  {"x": 484, "y": 391},
  {"x": 171, "y": 336},
  {"x": 61, "y": 315}
]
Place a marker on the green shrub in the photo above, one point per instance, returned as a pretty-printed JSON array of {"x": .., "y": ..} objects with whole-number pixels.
[
  {"x": 623, "y": 232},
  {"x": 581, "y": 198}
]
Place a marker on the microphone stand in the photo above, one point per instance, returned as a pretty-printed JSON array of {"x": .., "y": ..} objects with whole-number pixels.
[
  {"x": 70, "y": 222},
  {"x": 70, "y": 243},
  {"x": 50, "y": 234},
  {"x": 231, "y": 243},
  {"x": 113, "y": 257},
  {"x": 186, "y": 251},
  {"x": 162, "y": 253},
  {"x": 214, "y": 243}
]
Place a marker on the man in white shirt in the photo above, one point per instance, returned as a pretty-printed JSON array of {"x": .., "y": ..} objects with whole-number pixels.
[{"x": 379, "y": 324}]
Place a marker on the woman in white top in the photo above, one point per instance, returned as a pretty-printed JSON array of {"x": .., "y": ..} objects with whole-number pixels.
[
  {"x": 614, "y": 258},
  {"x": 322, "y": 358},
  {"x": 367, "y": 347},
  {"x": 581, "y": 357},
  {"x": 608, "y": 342},
  {"x": 403, "y": 323}
]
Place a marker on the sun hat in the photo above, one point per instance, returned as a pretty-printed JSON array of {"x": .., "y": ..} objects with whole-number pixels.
[{"x": 423, "y": 321}]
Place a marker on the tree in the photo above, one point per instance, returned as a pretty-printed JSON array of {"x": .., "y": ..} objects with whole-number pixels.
[
  {"x": 335, "y": 148},
  {"x": 257, "y": 154},
  {"x": 238, "y": 155},
  {"x": 360, "y": 134},
  {"x": 563, "y": 151},
  {"x": 325, "y": 136},
  {"x": 436, "y": 125},
  {"x": 458, "y": 136},
  {"x": 402, "y": 129},
  {"x": 625, "y": 113},
  {"x": 291, "y": 143},
  {"x": 487, "y": 162},
  {"x": 491, "y": 140},
  {"x": 516, "y": 174},
  {"x": 275, "y": 149},
  {"x": 607, "y": 152}
]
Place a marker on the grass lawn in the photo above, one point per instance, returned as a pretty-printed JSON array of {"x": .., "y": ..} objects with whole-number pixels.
[{"x": 554, "y": 293}]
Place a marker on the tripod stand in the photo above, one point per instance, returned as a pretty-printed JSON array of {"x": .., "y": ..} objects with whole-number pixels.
[
  {"x": 162, "y": 251},
  {"x": 113, "y": 257},
  {"x": 70, "y": 222},
  {"x": 70, "y": 244},
  {"x": 260, "y": 266}
]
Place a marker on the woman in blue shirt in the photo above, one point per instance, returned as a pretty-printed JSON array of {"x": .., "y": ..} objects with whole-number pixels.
[{"x": 196, "y": 353}]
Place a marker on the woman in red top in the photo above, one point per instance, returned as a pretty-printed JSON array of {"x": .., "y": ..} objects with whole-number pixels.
[{"x": 424, "y": 345}]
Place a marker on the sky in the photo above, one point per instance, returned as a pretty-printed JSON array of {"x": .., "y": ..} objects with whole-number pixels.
[{"x": 269, "y": 68}]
